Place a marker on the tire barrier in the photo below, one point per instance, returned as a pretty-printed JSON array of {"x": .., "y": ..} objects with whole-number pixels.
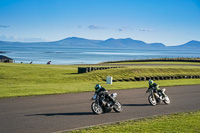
[
  {"x": 89, "y": 69},
  {"x": 155, "y": 78}
]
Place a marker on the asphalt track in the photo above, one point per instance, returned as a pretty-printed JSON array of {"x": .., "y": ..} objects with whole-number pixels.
[{"x": 54, "y": 113}]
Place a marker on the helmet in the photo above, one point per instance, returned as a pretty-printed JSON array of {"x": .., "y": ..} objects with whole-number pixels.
[
  {"x": 150, "y": 82},
  {"x": 97, "y": 87}
]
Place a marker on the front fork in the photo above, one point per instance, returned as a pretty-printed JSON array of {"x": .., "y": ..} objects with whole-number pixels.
[
  {"x": 97, "y": 100},
  {"x": 153, "y": 94}
]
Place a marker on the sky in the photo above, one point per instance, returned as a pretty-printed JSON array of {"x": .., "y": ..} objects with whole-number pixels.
[{"x": 171, "y": 22}]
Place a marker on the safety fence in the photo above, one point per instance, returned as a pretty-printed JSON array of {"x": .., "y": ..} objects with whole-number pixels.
[{"x": 89, "y": 69}]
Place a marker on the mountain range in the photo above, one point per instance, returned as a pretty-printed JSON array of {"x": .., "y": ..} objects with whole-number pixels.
[{"x": 75, "y": 42}]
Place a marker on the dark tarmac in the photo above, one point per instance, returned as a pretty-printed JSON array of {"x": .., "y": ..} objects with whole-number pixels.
[{"x": 54, "y": 113}]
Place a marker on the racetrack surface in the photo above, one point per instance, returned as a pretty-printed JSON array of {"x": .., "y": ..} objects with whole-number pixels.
[{"x": 53, "y": 113}]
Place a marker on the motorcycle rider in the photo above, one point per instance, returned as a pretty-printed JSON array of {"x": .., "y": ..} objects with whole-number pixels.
[
  {"x": 102, "y": 91},
  {"x": 155, "y": 87}
]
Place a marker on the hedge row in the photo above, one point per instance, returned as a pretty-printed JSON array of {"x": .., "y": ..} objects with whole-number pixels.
[
  {"x": 159, "y": 59},
  {"x": 156, "y": 78}
]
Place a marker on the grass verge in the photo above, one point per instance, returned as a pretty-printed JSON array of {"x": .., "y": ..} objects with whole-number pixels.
[{"x": 188, "y": 122}]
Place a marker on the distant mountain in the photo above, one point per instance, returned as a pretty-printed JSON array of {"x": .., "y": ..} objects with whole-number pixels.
[
  {"x": 109, "y": 43},
  {"x": 157, "y": 45},
  {"x": 122, "y": 43},
  {"x": 189, "y": 45},
  {"x": 75, "y": 42},
  {"x": 192, "y": 44}
]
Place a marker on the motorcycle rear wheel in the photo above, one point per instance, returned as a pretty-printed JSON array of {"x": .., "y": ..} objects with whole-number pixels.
[
  {"x": 96, "y": 108},
  {"x": 152, "y": 100}
]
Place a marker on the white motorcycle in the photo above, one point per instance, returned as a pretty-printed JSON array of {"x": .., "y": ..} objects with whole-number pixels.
[{"x": 157, "y": 96}]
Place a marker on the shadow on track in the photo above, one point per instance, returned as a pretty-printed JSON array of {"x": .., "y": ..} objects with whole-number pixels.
[
  {"x": 136, "y": 105},
  {"x": 57, "y": 114}
]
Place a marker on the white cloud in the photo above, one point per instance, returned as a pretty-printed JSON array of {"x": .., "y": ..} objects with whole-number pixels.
[
  {"x": 120, "y": 29},
  {"x": 124, "y": 28},
  {"x": 145, "y": 30},
  {"x": 19, "y": 39},
  {"x": 95, "y": 27},
  {"x": 4, "y": 26}
]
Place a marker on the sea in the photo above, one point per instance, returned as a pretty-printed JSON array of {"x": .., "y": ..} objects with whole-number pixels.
[{"x": 67, "y": 56}]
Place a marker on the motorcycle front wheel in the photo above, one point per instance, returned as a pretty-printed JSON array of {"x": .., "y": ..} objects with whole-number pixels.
[
  {"x": 152, "y": 100},
  {"x": 96, "y": 108},
  {"x": 117, "y": 107},
  {"x": 166, "y": 100}
]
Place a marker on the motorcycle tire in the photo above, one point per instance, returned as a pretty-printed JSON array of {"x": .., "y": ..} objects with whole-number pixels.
[
  {"x": 96, "y": 108},
  {"x": 166, "y": 100},
  {"x": 117, "y": 107},
  {"x": 152, "y": 100}
]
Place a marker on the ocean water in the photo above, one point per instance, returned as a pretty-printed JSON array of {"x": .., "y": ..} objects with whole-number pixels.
[{"x": 62, "y": 55}]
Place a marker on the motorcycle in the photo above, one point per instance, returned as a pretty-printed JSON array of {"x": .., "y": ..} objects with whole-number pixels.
[
  {"x": 105, "y": 105},
  {"x": 157, "y": 96}
]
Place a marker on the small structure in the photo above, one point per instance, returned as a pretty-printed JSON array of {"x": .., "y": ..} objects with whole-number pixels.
[
  {"x": 108, "y": 80},
  {"x": 6, "y": 59}
]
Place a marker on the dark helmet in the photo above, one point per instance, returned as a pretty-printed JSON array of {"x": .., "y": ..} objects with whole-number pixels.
[
  {"x": 97, "y": 87},
  {"x": 150, "y": 82}
]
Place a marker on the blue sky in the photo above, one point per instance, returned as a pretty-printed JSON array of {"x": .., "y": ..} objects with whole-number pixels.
[{"x": 171, "y": 22}]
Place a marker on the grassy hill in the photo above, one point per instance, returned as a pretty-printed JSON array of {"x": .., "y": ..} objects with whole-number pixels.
[{"x": 33, "y": 79}]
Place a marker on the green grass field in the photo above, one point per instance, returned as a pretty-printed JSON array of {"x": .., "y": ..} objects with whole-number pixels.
[
  {"x": 188, "y": 122},
  {"x": 32, "y": 79}
]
